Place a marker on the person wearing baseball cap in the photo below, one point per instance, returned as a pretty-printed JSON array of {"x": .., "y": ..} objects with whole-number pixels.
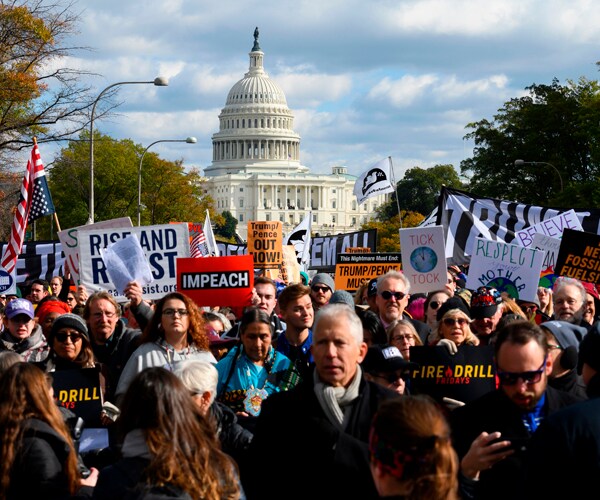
[
  {"x": 21, "y": 333},
  {"x": 385, "y": 365},
  {"x": 372, "y": 295}
]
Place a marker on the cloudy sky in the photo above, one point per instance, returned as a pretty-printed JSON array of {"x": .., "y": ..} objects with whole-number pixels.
[{"x": 365, "y": 79}]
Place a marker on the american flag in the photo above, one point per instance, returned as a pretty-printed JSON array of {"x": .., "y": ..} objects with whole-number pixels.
[
  {"x": 34, "y": 202},
  {"x": 198, "y": 246}
]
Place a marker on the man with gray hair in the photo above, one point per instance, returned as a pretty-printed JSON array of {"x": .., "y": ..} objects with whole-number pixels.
[
  {"x": 569, "y": 297},
  {"x": 328, "y": 413},
  {"x": 393, "y": 290}
]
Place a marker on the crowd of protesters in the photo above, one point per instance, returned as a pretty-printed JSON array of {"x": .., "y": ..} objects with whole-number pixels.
[{"x": 305, "y": 393}]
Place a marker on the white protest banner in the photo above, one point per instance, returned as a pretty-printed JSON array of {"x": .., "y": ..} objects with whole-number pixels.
[
  {"x": 552, "y": 227},
  {"x": 162, "y": 245},
  {"x": 513, "y": 269},
  {"x": 69, "y": 239},
  {"x": 549, "y": 245},
  {"x": 424, "y": 258}
]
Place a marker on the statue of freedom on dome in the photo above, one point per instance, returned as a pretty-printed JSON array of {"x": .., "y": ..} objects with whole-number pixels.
[{"x": 256, "y": 46}]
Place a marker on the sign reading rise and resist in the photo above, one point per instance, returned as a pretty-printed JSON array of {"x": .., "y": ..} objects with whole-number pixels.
[{"x": 353, "y": 269}]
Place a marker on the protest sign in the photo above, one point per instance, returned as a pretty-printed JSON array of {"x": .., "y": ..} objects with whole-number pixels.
[
  {"x": 69, "y": 240},
  {"x": 463, "y": 376},
  {"x": 79, "y": 391},
  {"x": 217, "y": 281},
  {"x": 38, "y": 259},
  {"x": 265, "y": 241},
  {"x": 289, "y": 271},
  {"x": 552, "y": 227},
  {"x": 508, "y": 268},
  {"x": 353, "y": 269},
  {"x": 162, "y": 245},
  {"x": 423, "y": 258},
  {"x": 325, "y": 249},
  {"x": 579, "y": 256}
]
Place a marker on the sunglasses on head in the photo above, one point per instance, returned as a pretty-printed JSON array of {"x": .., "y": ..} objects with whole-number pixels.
[
  {"x": 530, "y": 378},
  {"x": 387, "y": 295},
  {"x": 323, "y": 289},
  {"x": 452, "y": 321},
  {"x": 62, "y": 337}
]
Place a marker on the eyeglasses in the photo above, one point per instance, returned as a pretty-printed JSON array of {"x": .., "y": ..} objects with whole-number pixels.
[
  {"x": 323, "y": 289},
  {"x": 173, "y": 312},
  {"x": 452, "y": 321},
  {"x": 218, "y": 333},
  {"x": 99, "y": 315},
  {"x": 387, "y": 295},
  {"x": 62, "y": 337},
  {"x": 554, "y": 346},
  {"x": 392, "y": 376},
  {"x": 400, "y": 338},
  {"x": 530, "y": 378},
  {"x": 434, "y": 304}
]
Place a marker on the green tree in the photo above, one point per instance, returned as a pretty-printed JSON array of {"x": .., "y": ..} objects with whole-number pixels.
[
  {"x": 418, "y": 190},
  {"x": 169, "y": 193},
  {"x": 226, "y": 226},
  {"x": 388, "y": 235},
  {"x": 555, "y": 124}
]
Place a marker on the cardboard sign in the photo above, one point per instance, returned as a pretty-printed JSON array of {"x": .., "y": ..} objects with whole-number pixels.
[
  {"x": 80, "y": 392},
  {"x": 550, "y": 246},
  {"x": 553, "y": 227},
  {"x": 579, "y": 256},
  {"x": 289, "y": 271},
  {"x": 424, "y": 258},
  {"x": 354, "y": 269},
  {"x": 325, "y": 249},
  {"x": 217, "y": 281},
  {"x": 265, "y": 241},
  {"x": 70, "y": 241},
  {"x": 508, "y": 268},
  {"x": 463, "y": 376},
  {"x": 162, "y": 245}
]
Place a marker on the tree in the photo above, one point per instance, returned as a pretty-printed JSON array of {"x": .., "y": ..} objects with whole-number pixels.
[
  {"x": 226, "y": 226},
  {"x": 418, "y": 190},
  {"x": 388, "y": 236},
  {"x": 37, "y": 91},
  {"x": 169, "y": 193},
  {"x": 556, "y": 124}
]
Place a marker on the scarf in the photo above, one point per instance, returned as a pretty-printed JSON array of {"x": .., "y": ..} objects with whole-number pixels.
[{"x": 336, "y": 401}]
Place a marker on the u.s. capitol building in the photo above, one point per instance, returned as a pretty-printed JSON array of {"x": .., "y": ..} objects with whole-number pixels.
[{"x": 256, "y": 173}]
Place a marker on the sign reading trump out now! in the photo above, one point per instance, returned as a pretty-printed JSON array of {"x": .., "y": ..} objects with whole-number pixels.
[{"x": 265, "y": 242}]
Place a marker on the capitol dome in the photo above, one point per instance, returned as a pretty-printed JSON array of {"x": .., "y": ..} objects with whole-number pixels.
[{"x": 256, "y": 126}]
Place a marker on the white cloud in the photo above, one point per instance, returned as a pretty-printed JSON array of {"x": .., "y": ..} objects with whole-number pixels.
[{"x": 402, "y": 92}]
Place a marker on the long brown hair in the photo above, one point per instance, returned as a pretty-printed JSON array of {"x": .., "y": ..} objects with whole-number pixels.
[
  {"x": 185, "y": 450},
  {"x": 410, "y": 441},
  {"x": 25, "y": 393},
  {"x": 196, "y": 331}
]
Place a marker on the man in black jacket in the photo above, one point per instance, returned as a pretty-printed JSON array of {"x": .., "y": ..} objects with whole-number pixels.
[
  {"x": 320, "y": 427},
  {"x": 491, "y": 433}
]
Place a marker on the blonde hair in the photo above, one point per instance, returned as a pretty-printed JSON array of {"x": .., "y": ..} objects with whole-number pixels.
[{"x": 470, "y": 337}]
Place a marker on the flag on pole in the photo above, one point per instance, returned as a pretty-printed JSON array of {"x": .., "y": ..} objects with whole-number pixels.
[
  {"x": 34, "y": 202},
  {"x": 377, "y": 180},
  {"x": 211, "y": 242},
  {"x": 198, "y": 247},
  {"x": 300, "y": 238}
]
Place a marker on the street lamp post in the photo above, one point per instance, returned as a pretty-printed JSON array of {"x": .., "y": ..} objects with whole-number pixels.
[
  {"x": 519, "y": 163},
  {"x": 189, "y": 140},
  {"x": 159, "y": 81}
]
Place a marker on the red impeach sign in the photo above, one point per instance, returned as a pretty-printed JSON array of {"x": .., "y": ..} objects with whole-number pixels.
[{"x": 217, "y": 281}]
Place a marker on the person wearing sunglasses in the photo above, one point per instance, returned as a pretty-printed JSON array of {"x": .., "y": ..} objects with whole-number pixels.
[
  {"x": 433, "y": 302},
  {"x": 322, "y": 287},
  {"x": 385, "y": 365},
  {"x": 176, "y": 332},
  {"x": 490, "y": 433},
  {"x": 454, "y": 327},
  {"x": 393, "y": 292}
]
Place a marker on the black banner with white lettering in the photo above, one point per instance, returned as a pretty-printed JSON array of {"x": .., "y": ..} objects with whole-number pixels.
[
  {"x": 38, "y": 260},
  {"x": 325, "y": 249}
]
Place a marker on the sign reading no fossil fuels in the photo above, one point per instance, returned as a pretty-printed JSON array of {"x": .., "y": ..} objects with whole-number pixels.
[{"x": 579, "y": 256}]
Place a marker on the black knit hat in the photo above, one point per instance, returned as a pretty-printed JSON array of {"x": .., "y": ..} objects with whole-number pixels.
[
  {"x": 69, "y": 320},
  {"x": 453, "y": 303}
]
